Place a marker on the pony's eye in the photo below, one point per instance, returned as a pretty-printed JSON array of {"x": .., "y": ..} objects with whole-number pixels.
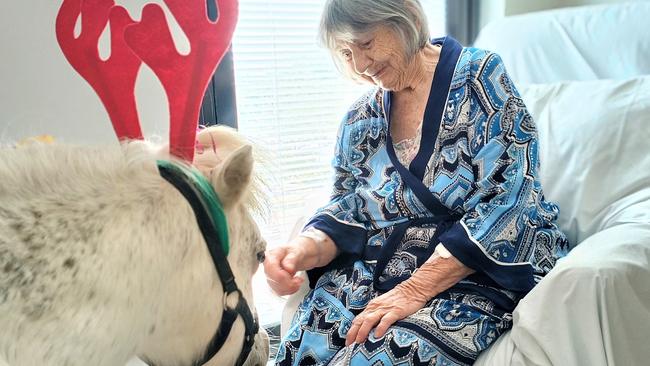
[{"x": 261, "y": 257}]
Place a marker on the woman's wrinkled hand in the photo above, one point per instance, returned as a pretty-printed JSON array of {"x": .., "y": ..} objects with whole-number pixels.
[
  {"x": 281, "y": 265},
  {"x": 382, "y": 312}
]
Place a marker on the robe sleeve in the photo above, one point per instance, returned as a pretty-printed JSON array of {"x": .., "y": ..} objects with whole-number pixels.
[
  {"x": 340, "y": 218},
  {"x": 495, "y": 235}
]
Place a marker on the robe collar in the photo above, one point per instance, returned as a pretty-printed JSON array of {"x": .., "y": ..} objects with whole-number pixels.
[{"x": 440, "y": 86}]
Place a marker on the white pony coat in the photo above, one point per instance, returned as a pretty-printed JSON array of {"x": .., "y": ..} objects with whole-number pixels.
[{"x": 101, "y": 259}]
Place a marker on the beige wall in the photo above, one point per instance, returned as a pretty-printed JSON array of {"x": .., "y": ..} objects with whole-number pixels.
[{"x": 494, "y": 9}]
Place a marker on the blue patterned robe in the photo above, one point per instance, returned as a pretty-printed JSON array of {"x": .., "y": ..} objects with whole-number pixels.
[{"x": 473, "y": 186}]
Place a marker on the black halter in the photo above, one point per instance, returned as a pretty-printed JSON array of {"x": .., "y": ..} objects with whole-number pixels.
[{"x": 187, "y": 186}]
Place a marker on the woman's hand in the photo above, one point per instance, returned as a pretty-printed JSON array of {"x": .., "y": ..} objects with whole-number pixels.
[
  {"x": 281, "y": 265},
  {"x": 436, "y": 275},
  {"x": 382, "y": 312},
  {"x": 310, "y": 249}
]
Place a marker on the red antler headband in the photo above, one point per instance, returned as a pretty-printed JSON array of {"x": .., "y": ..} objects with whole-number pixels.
[{"x": 184, "y": 77}]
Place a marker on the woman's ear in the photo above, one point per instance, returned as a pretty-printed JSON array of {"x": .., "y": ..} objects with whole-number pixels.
[{"x": 233, "y": 177}]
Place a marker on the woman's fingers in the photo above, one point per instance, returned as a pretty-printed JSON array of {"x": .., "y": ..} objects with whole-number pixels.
[
  {"x": 368, "y": 323},
  {"x": 285, "y": 288},
  {"x": 386, "y": 321},
  {"x": 361, "y": 326},
  {"x": 381, "y": 313},
  {"x": 272, "y": 257},
  {"x": 375, "y": 316},
  {"x": 272, "y": 266},
  {"x": 354, "y": 329},
  {"x": 290, "y": 262},
  {"x": 278, "y": 278}
]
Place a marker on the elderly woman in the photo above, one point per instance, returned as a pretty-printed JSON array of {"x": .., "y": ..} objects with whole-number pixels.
[{"x": 437, "y": 225}]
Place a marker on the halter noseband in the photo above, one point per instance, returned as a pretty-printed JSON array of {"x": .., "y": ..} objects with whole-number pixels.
[{"x": 213, "y": 225}]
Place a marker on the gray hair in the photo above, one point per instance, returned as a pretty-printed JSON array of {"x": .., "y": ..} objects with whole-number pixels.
[{"x": 344, "y": 20}]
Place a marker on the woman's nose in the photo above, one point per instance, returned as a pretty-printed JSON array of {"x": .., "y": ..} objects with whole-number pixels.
[{"x": 361, "y": 61}]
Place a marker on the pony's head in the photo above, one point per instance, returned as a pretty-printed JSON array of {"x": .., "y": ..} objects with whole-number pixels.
[
  {"x": 226, "y": 160},
  {"x": 98, "y": 246}
]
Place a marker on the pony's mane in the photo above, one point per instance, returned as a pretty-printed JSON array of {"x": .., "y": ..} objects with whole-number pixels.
[
  {"x": 74, "y": 170},
  {"x": 49, "y": 168}
]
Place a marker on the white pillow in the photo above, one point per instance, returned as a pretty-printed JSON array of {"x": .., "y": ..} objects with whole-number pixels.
[
  {"x": 594, "y": 151},
  {"x": 580, "y": 43}
]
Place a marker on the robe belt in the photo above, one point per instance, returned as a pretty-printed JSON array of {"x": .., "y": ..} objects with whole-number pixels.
[{"x": 384, "y": 254}]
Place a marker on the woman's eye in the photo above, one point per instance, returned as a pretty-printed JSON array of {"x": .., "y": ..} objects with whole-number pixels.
[
  {"x": 261, "y": 257},
  {"x": 366, "y": 44}
]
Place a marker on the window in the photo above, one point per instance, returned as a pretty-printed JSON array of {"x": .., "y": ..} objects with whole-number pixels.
[{"x": 290, "y": 100}]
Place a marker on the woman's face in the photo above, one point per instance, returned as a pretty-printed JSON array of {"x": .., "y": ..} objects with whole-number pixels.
[{"x": 377, "y": 57}]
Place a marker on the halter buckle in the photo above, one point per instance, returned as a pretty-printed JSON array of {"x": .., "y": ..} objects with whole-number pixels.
[{"x": 227, "y": 297}]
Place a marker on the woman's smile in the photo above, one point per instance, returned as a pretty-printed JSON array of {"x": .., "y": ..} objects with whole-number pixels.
[{"x": 376, "y": 75}]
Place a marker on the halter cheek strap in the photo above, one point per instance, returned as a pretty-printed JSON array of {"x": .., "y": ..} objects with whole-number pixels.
[
  {"x": 200, "y": 194},
  {"x": 213, "y": 225}
]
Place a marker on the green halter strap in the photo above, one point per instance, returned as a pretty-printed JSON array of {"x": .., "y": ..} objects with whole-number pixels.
[{"x": 205, "y": 193}]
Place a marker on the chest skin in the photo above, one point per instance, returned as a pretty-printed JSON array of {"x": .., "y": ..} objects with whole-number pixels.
[
  {"x": 408, "y": 105},
  {"x": 406, "y": 114}
]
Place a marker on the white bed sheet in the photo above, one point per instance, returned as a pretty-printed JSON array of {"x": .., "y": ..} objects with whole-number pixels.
[{"x": 591, "y": 310}]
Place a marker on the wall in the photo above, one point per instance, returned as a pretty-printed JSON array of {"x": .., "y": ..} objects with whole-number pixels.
[
  {"x": 40, "y": 93},
  {"x": 490, "y": 10}
]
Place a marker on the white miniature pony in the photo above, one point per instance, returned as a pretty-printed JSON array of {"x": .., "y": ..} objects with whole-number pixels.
[{"x": 101, "y": 259}]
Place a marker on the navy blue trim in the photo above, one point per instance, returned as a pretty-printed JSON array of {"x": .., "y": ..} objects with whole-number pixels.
[
  {"x": 419, "y": 189},
  {"x": 511, "y": 277},
  {"x": 350, "y": 241},
  {"x": 413, "y": 177},
  {"x": 386, "y": 253},
  {"x": 440, "y": 86}
]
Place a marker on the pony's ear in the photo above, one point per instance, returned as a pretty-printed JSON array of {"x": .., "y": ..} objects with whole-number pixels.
[{"x": 233, "y": 177}]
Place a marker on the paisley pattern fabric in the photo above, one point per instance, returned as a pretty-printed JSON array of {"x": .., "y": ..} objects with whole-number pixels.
[
  {"x": 450, "y": 330},
  {"x": 473, "y": 186}
]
